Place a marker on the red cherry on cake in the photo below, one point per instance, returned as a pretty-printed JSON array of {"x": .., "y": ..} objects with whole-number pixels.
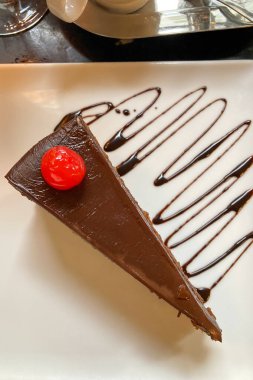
[{"x": 62, "y": 168}]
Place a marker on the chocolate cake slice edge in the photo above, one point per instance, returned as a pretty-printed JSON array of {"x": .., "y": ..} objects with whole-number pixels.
[{"x": 102, "y": 211}]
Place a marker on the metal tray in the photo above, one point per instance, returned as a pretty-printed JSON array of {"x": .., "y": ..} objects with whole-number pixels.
[{"x": 166, "y": 17}]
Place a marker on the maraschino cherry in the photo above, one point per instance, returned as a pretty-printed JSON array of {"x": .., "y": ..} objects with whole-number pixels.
[{"x": 62, "y": 168}]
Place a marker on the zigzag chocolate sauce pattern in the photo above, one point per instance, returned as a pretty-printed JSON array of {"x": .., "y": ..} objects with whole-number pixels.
[{"x": 233, "y": 209}]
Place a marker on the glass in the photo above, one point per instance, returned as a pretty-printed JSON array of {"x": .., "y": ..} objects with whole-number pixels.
[{"x": 19, "y": 15}]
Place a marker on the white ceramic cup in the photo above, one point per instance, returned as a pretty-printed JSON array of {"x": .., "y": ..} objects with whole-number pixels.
[{"x": 71, "y": 10}]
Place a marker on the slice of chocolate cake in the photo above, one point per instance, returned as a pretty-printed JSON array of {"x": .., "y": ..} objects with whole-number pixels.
[{"x": 102, "y": 211}]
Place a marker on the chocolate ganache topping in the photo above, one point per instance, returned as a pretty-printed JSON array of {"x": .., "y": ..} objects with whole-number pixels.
[{"x": 102, "y": 211}]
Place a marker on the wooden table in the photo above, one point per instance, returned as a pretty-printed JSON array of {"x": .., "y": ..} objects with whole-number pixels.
[{"x": 52, "y": 40}]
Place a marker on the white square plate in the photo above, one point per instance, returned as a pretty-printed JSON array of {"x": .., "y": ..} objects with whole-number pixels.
[{"x": 66, "y": 312}]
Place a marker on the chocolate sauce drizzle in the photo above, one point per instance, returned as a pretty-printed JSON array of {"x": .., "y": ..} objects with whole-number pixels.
[
  {"x": 167, "y": 132},
  {"x": 118, "y": 139},
  {"x": 235, "y": 206},
  {"x": 133, "y": 160},
  {"x": 87, "y": 119},
  {"x": 235, "y": 173}
]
